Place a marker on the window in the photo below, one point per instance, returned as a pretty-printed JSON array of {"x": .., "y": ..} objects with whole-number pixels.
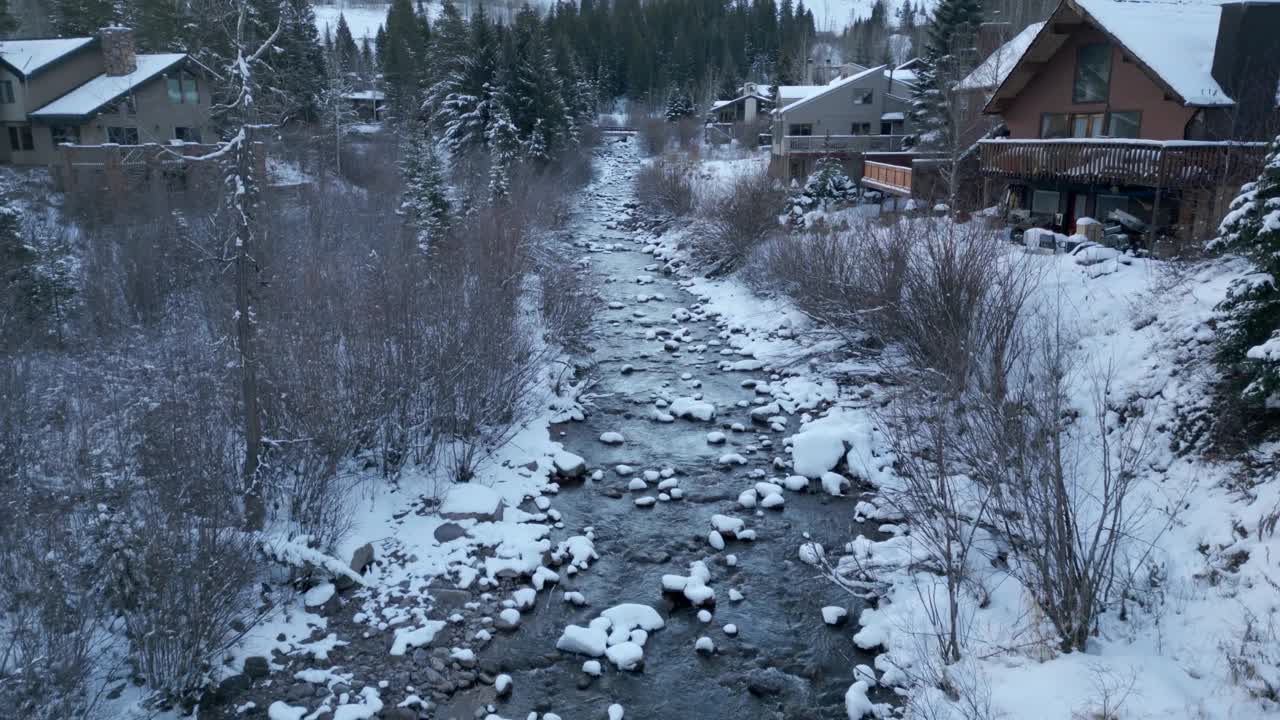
[
  {"x": 1053, "y": 126},
  {"x": 183, "y": 88},
  {"x": 804, "y": 129},
  {"x": 1093, "y": 73},
  {"x": 123, "y": 106},
  {"x": 863, "y": 97},
  {"x": 187, "y": 134},
  {"x": 1108, "y": 203},
  {"x": 886, "y": 128},
  {"x": 1087, "y": 126},
  {"x": 1124, "y": 124},
  {"x": 1044, "y": 202},
  {"x": 21, "y": 139},
  {"x": 64, "y": 134},
  {"x": 861, "y": 129},
  {"x": 122, "y": 135},
  {"x": 6, "y": 92}
]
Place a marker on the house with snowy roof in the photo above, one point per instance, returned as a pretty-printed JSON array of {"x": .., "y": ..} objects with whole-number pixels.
[
  {"x": 93, "y": 91},
  {"x": 847, "y": 118},
  {"x": 1146, "y": 112}
]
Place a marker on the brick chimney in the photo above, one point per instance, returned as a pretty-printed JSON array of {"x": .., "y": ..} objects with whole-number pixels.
[
  {"x": 991, "y": 35},
  {"x": 119, "y": 51}
]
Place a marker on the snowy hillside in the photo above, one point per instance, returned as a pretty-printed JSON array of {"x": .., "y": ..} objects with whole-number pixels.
[
  {"x": 364, "y": 19},
  {"x": 835, "y": 15}
]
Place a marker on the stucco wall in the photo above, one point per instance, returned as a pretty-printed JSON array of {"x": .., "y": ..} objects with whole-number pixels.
[
  {"x": 156, "y": 117},
  {"x": 1131, "y": 89},
  {"x": 834, "y": 112}
]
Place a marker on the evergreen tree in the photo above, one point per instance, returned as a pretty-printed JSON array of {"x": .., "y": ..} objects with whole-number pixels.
[
  {"x": 78, "y": 18},
  {"x": 949, "y": 55},
  {"x": 7, "y": 22},
  {"x": 532, "y": 91},
  {"x": 504, "y": 152},
  {"x": 403, "y": 57},
  {"x": 679, "y": 105},
  {"x": 345, "y": 52},
  {"x": 425, "y": 203},
  {"x": 1249, "y": 334},
  {"x": 295, "y": 60},
  {"x": 157, "y": 25}
]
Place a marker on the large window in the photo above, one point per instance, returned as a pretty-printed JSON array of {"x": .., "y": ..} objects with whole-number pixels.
[
  {"x": 860, "y": 129},
  {"x": 1054, "y": 126},
  {"x": 863, "y": 97},
  {"x": 1106, "y": 204},
  {"x": 6, "y": 92},
  {"x": 1093, "y": 73},
  {"x": 186, "y": 134},
  {"x": 1044, "y": 202},
  {"x": 122, "y": 135},
  {"x": 64, "y": 134},
  {"x": 183, "y": 88},
  {"x": 800, "y": 129},
  {"x": 21, "y": 138},
  {"x": 1124, "y": 124},
  {"x": 1087, "y": 125}
]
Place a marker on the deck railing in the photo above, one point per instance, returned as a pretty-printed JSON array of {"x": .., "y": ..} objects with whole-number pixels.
[
  {"x": 894, "y": 179},
  {"x": 840, "y": 144},
  {"x": 124, "y": 167},
  {"x": 1148, "y": 163}
]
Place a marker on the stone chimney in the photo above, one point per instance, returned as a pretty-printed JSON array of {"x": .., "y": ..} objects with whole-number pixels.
[
  {"x": 119, "y": 51},
  {"x": 991, "y": 35}
]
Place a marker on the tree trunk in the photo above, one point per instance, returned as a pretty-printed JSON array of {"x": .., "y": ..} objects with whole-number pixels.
[{"x": 244, "y": 203}]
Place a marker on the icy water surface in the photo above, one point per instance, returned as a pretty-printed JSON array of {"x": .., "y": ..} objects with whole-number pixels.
[{"x": 779, "y": 624}]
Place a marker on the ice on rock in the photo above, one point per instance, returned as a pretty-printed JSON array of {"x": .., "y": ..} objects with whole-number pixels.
[
  {"x": 732, "y": 459},
  {"x": 715, "y": 437},
  {"x": 659, "y": 416},
  {"x": 568, "y": 464},
  {"x": 834, "y": 614},
  {"x": 676, "y": 493},
  {"x": 731, "y": 560},
  {"x": 693, "y": 409},
  {"x": 704, "y": 645},
  {"x": 406, "y": 638},
  {"x": 704, "y": 616},
  {"x": 645, "y": 502},
  {"x": 583, "y": 640},
  {"x": 462, "y": 654},
  {"x": 502, "y": 684},
  {"x": 542, "y": 502},
  {"x": 615, "y": 712},
  {"x": 773, "y": 501},
  {"x": 542, "y": 576},
  {"x": 592, "y": 667},
  {"x": 626, "y": 655},
  {"x": 612, "y": 438},
  {"x": 814, "y": 452},
  {"x": 663, "y": 497},
  {"x": 716, "y": 540},
  {"x": 624, "y": 470},
  {"x": 726, "y": 524},
  {"x": 735, "y": 595},
  {"x": 866, "y": 674},
  {"x": 318, "y": 595},
  {"x": 637, "y": 485},
  {"x": 811, "y": 553},
  {"x": 668, "y": 484},
  {"x": 730, "y": 629},
  {"x": 747, "y": 535},
  {"x": 834, "y": 483},
  {"x": 796, "y": 483},
  {"x": 575, "y": 598},
  {"x": 510, "y": 616},
  {"x": 765, "y": 489},
  {"x": 651, "y": 476},
  {"x": 524, "y": 598},
  {"x": 579, "y": 549},
  {"x": 747, "y": 498}
]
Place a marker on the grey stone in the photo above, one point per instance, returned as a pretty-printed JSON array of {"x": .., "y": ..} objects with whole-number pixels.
[
  {"x": 448, "y": 598},
  {"x": 400, "y": 713},
  {"x": 256, "y": 666},
  {"x": 449, "y": 531},
  {"x": 362, "y": 558},
  {"x": 300, "y": 691},
  {"x": 770, "y": 681}
]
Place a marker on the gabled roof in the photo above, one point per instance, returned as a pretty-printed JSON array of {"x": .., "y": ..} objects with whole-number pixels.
[
  {"x": 835, "y": 85},
  {"x": 1173, "y": 41},
  {"x": 993, "y": 71},
  {"x": 725, "y": 103},
  {"x": 89, "y": 98},
  {"x": 28, "y": 57}
]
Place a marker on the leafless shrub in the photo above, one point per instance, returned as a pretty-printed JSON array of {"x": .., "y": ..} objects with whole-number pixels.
[
  {"x": 653, "y": 133},
  {"x": 1253, "y": 656},
  {"x": 1111, "y": 690},
  {"x": 738, "y": 220},
  {"x": 688, "y": 132},
  {"x": 664, "y": 185}
]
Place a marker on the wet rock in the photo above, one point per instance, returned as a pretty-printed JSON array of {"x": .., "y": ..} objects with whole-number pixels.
[
  {"x": 400, "y": 713},
  {"x": 300, "y": 691},
  {"x": 449, "y": 532},
  {"x": 770, "y": 681},
  {"x": 256, "y": 666},
  {"x": 448, "y": 598}
]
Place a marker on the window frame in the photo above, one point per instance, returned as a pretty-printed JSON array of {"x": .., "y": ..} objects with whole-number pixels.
[
  {"x": 864, "y": 96},
  {"x": 22, "y": 138},
  {"x": 864, "y": 126},
  {"x": 792, "y": 129},
  {"x": 182, "y": 88},
  {"x": 6, "y": 93},
  {"x": 1076, "y": 95},
  {"x": 70, "y": 132},
  {"x": 193, "y": 133},
  {"x": 123, "y": 129},
  {"x": 1066, "y": 125},
  {"x": 1057, "y": 197},
  {"x": 1095, "y": 124},
  {"x": 1098, "y": 200},
  {"x": 1137, "y": 127}
]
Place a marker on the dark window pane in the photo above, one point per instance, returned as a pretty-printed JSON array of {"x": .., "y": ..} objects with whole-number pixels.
[
  {"x": 1054, "y": 125},
  {"x": 1124, "y": 124},
  {"x": 174, "y": 86},
  {"x": 190, "y": 92},
  {"x": 1044, "y": 202},
  {"x": 1093, "y": 73}
]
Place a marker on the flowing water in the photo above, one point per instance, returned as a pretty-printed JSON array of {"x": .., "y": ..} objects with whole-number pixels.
[{"x": 779, "y": 622}]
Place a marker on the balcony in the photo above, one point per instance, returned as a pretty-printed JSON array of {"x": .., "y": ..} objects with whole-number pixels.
[
  {"x": 838, "y": 144},
  {"x": 1105, "y": 161},
  {"x": 887, "y": 177}
]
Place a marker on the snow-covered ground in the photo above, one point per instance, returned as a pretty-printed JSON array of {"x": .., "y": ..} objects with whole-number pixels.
[
  {"x": 1198, "y": 635},
  {"x": 364, "y": 18}
]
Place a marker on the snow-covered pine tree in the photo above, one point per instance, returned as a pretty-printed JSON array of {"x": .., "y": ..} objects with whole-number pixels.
[
  {"x": 425, "y": 204},
  {"x": 949, "y": 55},
  {"x": 296, "y": 58},
  {"x": 679, "y": 104},
  {"x": 504, "y": 152},
  {"x": 460, "y": 100},
  {"x": 531, "y": 90},
  {"x": 1249, "y": 333},
  {"x": 345, "y": 52},
  {"x": 829, "y": 185},
  {"x": 403, "y": 56}
]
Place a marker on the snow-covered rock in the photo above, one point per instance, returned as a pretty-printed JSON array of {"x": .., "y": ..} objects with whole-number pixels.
[
  {"x": 471, "y": 501},
  {"x": 692, "y": 409},
  {"x": 612, "y": 438},
  {"x": 834, "y": 615},
  {"x": 583, "y": 640},
  {"x": 704, "y": 645},
  {"x": 625, "y": 655}
]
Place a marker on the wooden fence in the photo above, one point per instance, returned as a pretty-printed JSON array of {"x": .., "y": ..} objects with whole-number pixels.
[{"x": 1110, "y": 162}]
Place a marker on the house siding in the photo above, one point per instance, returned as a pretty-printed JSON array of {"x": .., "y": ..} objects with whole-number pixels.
[
  {"x": 834, "y": 112},
  {"x": 1050, "y": 91}
]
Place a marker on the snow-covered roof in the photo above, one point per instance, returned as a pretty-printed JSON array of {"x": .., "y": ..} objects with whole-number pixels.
[
  {"x": 892, "y": 116},
  {"x": 366, "y": 95},
  {"x": 903, "y": 76},
  {"x": 91, "y": 96},
  {"x": 835, "y": 85},
  {"x": 997, "y": 67},
  {"x": 1174, "y": 38},
  {"x": 796, "y": 92},
  {"x": 31, "y": 56}
]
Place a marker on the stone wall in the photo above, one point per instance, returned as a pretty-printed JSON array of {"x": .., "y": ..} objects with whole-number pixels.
[{"x": 119, "y": 50}]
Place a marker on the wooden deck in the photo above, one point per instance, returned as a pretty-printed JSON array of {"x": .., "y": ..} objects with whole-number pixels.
[
  {"x": 885, "y": 177},
  {"x": 1144, "y": 163}
]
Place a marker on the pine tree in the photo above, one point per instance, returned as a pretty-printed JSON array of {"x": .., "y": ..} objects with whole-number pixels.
[
  {"x": 72, "y": 18},
  {"x": 425, "y": 203},
  {"x": 403, "y": 57},
  {"x": 157, "y": 25},
  {"x": 679, "y": 105},
  {"x": 504, "y": 152},
  {"x": 295, "y": 61},
  {"x": 345, "y": 52},
  {"x": 949, "y": 55},
  {"x": 7, "y": 22},
  {"x": 1249, "y": 334},
  {"x": 531, "y": 90}
]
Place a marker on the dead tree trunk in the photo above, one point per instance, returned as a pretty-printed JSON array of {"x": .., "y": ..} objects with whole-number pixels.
[{"x": 244, "y": 193}]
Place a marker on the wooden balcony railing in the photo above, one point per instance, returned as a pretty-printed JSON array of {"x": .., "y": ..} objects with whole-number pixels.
[
  {"x": 888, "y": 178},
  {"x": 124, "y": 167},
  {"x": 840, "y": 144},
  {"x": 1148, "y": 163}
]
